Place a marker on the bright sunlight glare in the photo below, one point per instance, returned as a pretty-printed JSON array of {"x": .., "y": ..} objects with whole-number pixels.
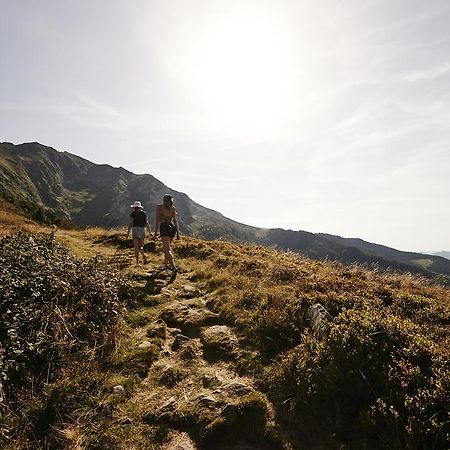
[{"x": 241, "y": 73}]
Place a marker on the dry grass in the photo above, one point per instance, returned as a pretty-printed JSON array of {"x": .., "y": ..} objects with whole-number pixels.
[
  {"x": 263, "y": 295},
  {"x": 11, "y": 222}
]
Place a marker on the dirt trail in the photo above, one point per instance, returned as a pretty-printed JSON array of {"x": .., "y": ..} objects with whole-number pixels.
[{"x": 191, "y": 391}]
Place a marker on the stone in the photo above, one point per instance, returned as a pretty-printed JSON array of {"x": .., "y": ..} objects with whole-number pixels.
[
  {"x": 166, "y": 407},
  {"x": 188, "y": 316},
  {"x": 209, "y": 380},
  {"x": 189, "y": 350},
  {"x": 179, "y": 441},
  {"x": 218, "y": 342},
  {"x": 157, "y": 329},
  {"x": 205, "y": 400},
  {"x": 173, "y": 331},
  {"x": 180, "y": 339},
  {"x": 145, "y": 344},
  {"x": 237, "y": 389},
  {"x": 170, "y": 376},
  {"x": 119, "y": 390},
  {"x": 315, "y": 316},
  {"x": 189, "y": 292}
]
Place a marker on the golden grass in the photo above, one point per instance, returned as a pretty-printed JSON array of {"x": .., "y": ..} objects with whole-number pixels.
[
  {"x": 261, "y": 292},
  {"x": 11, "y": 222},
  {"x": 87, "y": 242}
]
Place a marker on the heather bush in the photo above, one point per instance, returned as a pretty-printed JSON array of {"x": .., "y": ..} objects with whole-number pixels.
[
  {"x": 380, "y": 379},
  {"x": 53, "y": 306},
  {"x": 376, "y": 381}
]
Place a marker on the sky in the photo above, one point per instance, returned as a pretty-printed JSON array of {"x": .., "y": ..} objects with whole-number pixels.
[{"x": 326, "y": 116}]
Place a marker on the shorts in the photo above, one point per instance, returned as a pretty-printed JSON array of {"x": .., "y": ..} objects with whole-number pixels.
[
  {"x": 139, "y": 233},
  {"x": 167, "y": 229}
]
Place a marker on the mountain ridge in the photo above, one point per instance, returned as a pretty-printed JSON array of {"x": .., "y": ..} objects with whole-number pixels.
[
  {"x": 87, "y": 193},
  {"x": 443, "y": 254}
]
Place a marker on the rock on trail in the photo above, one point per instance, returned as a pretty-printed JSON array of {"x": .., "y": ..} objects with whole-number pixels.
[{"x": 192, "y": 390}]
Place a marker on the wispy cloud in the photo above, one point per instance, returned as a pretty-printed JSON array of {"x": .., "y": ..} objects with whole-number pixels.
[
  {"x": 359, "y": 143},
  {"x": 434, "y": 72}
]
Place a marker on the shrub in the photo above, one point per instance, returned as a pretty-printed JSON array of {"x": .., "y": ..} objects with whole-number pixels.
[
  {"x": 376, "y": 379},
  {"x": 52, "y": 306}
]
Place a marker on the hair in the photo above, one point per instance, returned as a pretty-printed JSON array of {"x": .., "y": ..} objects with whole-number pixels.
[
  {"x": 170, "y": 198},
  {"x": 167, "y": 197}
]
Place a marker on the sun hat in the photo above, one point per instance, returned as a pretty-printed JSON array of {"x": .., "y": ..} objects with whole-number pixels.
[{"x": 136, "y": 204}]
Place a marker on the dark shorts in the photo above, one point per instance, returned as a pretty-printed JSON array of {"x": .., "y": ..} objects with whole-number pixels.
[{"x": 168, "y": 229}]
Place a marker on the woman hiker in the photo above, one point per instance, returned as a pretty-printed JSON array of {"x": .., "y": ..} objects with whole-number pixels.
[
  {"x": 138, "y": 222},
  {"x": 167, "y": 224}
]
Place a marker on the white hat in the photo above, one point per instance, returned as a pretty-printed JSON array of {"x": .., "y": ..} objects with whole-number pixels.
[{"x": 136, "y": 204}]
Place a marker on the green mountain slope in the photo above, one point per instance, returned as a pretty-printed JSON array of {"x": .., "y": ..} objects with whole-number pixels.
[
  {"x": 93, "y": 194},
  {"x": 434, "y": 263}
]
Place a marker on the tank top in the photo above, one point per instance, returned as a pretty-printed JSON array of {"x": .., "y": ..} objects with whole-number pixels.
[{"x": 139, "y": 218}]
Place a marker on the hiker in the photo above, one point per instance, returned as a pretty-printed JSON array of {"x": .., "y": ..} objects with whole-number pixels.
[
  {"x": 167, "y": 224},
  {"x": 138, "y": 222}
]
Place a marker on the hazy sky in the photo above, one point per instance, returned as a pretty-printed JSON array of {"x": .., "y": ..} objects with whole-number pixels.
[{"x": 327, "y": 116}]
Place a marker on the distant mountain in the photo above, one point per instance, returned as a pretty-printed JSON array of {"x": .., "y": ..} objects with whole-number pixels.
[
  {"x": 97, "y": 194},
  {"x": 433, "y": 263},
  {"x": 443, "y": 254}
]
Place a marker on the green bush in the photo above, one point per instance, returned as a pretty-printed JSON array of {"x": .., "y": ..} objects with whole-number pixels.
[
  {"x": 376, "y": 381},
  {"x": 40, "y": 213},
  {"x": 52, "y": 306}
]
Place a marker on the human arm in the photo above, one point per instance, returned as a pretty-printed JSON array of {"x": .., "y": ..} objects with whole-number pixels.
[
  {"x": 157, "y": 221},
  {"x": 175, "y": 221},
  {"x": 130, "y": 225},
  {"x": 147, "y": 225}
]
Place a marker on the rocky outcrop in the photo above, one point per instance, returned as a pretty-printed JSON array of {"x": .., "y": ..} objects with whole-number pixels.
[
  {"x": 315, "y": 317},
  {"x": 218, "y": 342},
  {"x": 188, "y": 316}
]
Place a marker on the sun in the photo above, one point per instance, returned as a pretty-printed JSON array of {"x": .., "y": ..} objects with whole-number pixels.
[{"x": 241, "y": 73}]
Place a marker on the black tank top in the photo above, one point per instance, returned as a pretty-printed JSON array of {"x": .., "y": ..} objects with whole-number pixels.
[{"x": 139, "y": 218}]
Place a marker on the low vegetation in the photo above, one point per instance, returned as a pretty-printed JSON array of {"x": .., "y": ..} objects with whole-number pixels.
[
  {"x": 75, "y": 329},
  {"x": 58, "y": 312},
  {"x": 379, "y": 379}
]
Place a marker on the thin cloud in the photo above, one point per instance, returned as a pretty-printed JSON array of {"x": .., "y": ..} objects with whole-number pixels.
[{"x": 442, "y": 69}]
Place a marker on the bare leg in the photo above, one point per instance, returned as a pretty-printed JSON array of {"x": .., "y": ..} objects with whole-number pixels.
[
  {"x": 168, "y": 255},
  {"x": 137, "y": 245},
  {"x": 141, "y": 250},
  {"x": 172, "y": 264}
]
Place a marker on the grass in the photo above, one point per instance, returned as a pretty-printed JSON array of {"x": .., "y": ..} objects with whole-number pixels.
[
  {"x": 390, "y": 334},
  {"x": 11, "y": 222},
  {"x": 425, "y": 263},
  {"x": 379, "y": 379}
]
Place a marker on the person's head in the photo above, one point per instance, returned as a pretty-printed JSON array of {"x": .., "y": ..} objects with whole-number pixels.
[
  {"x": 137, "y": 205},
  {"x": 168, "y": 200}
]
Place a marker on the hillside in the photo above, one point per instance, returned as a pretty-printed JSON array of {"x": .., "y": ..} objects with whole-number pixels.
[
  {"x": 108, "y": 355},
  {"x": 443, "y": 254},
  {"x": 430, "y": 262},
  {"x": 85, "y": 193}
]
